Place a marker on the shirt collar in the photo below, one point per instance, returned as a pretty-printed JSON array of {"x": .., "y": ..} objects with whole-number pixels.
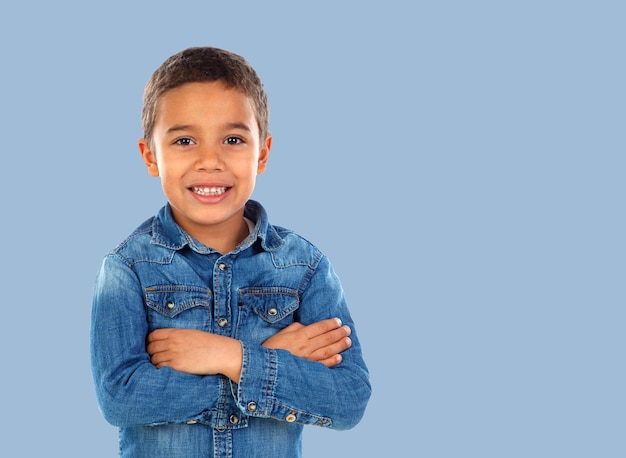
[{"x": 167, "y": 233}]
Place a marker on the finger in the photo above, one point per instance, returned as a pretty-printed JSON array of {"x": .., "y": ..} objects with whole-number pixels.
[
  {"x": 324, "y": 342},
  {"x": 159, "y": 359},
  {"x": 156, "y": 346},
  {"x": 321, "y": 327},
  {"x": 329, "y": 337},
  {"x": 162, "y": 342},
  {"x": 332, "y": 361},
  {"x": 158, "y": 334},
  {"x": 329, "y": 351}
]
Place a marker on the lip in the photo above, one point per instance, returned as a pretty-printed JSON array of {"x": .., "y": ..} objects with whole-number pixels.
[{"x": 210, "y": 197}]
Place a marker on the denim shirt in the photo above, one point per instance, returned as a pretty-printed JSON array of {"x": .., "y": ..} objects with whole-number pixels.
[{"x": 160, "y": 277}]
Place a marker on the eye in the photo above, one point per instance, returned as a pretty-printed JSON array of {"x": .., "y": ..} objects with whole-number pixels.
[
  {"x": 233, "y": 141},
  {"x": 184, "y": 141}
]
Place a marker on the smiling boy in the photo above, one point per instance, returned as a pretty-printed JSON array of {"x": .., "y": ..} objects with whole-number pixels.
[
  {"x": 215, "y": 333},
  {"x": 209, "y": 154}
]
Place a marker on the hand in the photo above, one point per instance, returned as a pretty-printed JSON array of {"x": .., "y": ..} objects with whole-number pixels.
[
  {"x": 322, "y": 341},
  {"x": 195, "y": 352}
]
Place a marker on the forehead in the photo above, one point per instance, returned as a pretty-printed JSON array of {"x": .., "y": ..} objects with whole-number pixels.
[{"x": 209, "y": 99}]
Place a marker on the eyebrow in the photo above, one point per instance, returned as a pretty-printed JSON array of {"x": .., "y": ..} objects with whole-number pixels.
[
  {"x": 238, "y": 125},
  {"x": 177, "y": 128},
  {"x": 228, "y": 126}
]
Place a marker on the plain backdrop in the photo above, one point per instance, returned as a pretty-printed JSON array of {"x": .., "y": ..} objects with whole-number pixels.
[{"x": 461, "y": 163}]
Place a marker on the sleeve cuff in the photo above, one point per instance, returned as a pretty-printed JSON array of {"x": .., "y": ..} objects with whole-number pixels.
[{"x": 254, "y": 393}]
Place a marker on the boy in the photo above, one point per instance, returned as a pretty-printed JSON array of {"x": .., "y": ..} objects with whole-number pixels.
[{"x": 213, "y": 332}]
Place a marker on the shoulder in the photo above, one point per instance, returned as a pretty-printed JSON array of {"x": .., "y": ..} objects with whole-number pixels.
[
  {"x": 286, "y": 247},
  {"x": 295, "y": 249},
  {"x": 137, "y": 241},
  {"x": 140, "y": 235},
  {"x": 154, "y": 240},
  {"x": 290, "y": 236}
]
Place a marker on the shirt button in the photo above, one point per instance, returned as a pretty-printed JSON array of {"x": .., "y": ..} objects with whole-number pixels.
[
  {"x": 273, "y": 311},
  {"x": 222, "y": 322},
  {"x": 234, "y": 419},
  {"x": 170, "y": 305},
  {"x": 251, "y": 406},
  {"x": 192, "y": 422},
  {"x": 222, "y": 266},
  {"x": 290, "y": 418}
]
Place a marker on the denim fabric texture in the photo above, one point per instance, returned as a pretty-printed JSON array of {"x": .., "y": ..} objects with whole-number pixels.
[{"x": 160, "y": 277}]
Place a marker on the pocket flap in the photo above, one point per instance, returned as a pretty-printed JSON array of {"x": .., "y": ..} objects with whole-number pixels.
[
  {"x": 170, "y": 300},
  {"x": 271, "y": 303}
]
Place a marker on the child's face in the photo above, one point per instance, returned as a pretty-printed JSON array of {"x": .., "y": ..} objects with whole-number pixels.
[{"x": 206, "y": 149}]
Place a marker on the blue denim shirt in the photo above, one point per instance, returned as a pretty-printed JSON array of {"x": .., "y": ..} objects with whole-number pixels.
[{"x": 160, "y": 277}]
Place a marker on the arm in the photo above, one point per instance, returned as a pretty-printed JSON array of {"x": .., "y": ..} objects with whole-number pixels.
[
  {"x": 323, "y": 341},
  {"x": 130, "y": 389},
  {"x": 135, "y": 384},
  {"x": 279, "y": 384},
  {"x": 202, "y": 353}
]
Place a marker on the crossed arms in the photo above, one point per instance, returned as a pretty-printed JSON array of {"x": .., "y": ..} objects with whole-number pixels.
[{"x": 202, "y": 353}]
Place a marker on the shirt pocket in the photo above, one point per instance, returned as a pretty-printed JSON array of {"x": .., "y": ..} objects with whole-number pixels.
[
  {"x": 263, "y": 311},
  {"x": 178, "y": 306}
]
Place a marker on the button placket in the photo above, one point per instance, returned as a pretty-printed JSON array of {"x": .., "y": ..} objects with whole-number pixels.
[{"x": 221, "y": 308}]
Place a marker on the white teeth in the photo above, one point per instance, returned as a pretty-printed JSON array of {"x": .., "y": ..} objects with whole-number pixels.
[{"x": 205, "y": 191}]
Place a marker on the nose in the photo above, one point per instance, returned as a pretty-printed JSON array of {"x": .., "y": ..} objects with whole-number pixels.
[{"x": 209, "y": 159}]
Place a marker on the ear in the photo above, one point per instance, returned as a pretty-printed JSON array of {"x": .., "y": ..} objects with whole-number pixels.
[
  {"x": 149, "y": 158},
  {"x": 264, "y": 155}
]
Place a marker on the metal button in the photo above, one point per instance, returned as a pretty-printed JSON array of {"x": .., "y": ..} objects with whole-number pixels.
[
  {"x": 290, "y": 418},
  {"x": 222, "y": 322},
  {"x": 222, "y": 266},
  {"x": 234, "y": 419},
  {"x": 170, "y": 305},
  {"x": 273, "y": 311},
  {"x": 251, "y": 406},
  {"x": 192, "y": 422}
]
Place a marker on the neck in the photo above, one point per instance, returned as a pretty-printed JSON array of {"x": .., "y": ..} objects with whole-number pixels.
[{"x": 224, "y": 240}]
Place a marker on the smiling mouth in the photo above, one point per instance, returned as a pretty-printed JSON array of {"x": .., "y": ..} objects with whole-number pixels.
[{"x": 209, "y": 191}]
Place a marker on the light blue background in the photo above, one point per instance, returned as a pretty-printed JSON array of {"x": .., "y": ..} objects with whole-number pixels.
[{"x": 461, "y": 163}]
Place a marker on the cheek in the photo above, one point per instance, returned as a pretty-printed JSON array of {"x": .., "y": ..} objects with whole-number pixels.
[
  {"x": 171, "y": 169},
  {"x": 245, "y": 168},
  {"x": 169, "y": 178}
]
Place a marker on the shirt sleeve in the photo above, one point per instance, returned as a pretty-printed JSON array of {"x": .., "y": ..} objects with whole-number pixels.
[
  {"x": 275, "y": 383},
  {"x": 130, "y": 390}
]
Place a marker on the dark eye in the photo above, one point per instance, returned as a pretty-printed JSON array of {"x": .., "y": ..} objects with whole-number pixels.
[
  {"x": 233, "y": 141},
  {"x": 184, "y": 141}
]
